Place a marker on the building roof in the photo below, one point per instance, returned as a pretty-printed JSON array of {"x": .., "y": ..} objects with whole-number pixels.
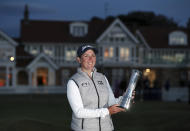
[
  {"x": 158, "y": 37},
  {"x": 44, "y": 31},
  {"x": 58, "y": 31}
]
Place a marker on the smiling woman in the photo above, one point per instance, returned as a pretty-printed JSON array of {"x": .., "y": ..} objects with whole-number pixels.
[{"x": 90, "y": 95}]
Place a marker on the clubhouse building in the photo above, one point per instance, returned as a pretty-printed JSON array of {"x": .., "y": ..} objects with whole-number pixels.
[{"x": 44, "y": 57}]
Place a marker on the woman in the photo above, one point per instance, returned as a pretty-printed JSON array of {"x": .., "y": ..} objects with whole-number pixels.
[{"x": 90, "y": 96}]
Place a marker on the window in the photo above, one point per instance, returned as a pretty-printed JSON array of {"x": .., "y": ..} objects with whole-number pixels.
[
  {"x": 124, "y": 53},
  {"x": 78, "y": 29},
  {"x": 48, "y": 51},
  {"x": 180, "y": 57},
  {"x": 34, "y": 50},
  {"x": 177, "y": 58},
  {"x": 117, "y": 34},
  {"x": 70, "y": 54},
  {"x": 177, "y": 38},
  {"x": 117, "y": 38},
  {"x": 108, "y": 52}
]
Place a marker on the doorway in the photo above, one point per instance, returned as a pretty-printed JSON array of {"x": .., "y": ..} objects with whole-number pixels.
[{"x": 42, "y": 77}]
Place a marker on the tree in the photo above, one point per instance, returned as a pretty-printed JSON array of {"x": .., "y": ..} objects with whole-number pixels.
[{"x": 140, "y": 18}]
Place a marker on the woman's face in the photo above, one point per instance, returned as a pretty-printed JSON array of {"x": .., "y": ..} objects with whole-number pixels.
[{"x": 87, "y": 60}]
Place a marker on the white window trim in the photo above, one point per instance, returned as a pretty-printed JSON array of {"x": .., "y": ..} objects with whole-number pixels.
[
  {"x": 37, "y": 48},
  {"x": 79, "y": 25},
  {"x": 48, "y": 48},
  {"x": 177, "y": 35},
  {"x": 110, "y": 58},
  {"x": 67, "y": 49},
  {"x": 130, "y": 55}
]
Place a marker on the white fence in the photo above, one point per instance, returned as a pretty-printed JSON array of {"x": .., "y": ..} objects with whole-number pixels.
[{"x": 176, "y": 94}]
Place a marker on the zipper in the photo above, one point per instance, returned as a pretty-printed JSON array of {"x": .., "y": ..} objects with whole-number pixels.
[
  {"x": 82, "y": 123},
  {"x": 98, "y": 101}
]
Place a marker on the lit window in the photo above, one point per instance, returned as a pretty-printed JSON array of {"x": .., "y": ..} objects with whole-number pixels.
[
  {"x": 70, "y": 55},
  {"x": 111, "y": 52},
  {"x": 34, "y": 50},
  {"x": 177, "y": 58},
  {"x": 180, "y": 57},
  {"x": 124, "y": 53},
  {"x": 108, "y": 52},
  {"x": 48, "y": 51}
]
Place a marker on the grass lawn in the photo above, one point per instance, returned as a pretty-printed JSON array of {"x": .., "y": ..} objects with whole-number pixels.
[{"x": 52, "y": 113}]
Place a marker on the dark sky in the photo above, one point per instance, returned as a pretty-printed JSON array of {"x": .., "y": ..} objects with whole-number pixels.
[{"x": 11, "y": 11}]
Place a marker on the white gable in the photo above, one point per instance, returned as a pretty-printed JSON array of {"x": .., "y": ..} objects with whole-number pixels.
[
  {"x": 141, "y": 38},
  {"x": 7, "y": 48},
  {"x": 6, "y": 40},
  {"x": 117, "y": 32},
  {"x": 42, "y": 60}
]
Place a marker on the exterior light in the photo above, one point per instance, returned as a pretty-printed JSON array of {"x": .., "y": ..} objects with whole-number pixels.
[
  {"x": 147, "y": 70},
  {"x": 12, "y": 58}
]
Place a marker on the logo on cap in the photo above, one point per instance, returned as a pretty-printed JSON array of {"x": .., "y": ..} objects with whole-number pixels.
[{"x": 87, "y": 46}]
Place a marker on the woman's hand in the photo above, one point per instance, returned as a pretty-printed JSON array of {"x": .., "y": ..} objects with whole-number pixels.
[{"x": 115, "y": 109}]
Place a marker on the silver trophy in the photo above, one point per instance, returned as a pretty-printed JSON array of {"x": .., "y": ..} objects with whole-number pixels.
[{"x": 125, "y": 101}]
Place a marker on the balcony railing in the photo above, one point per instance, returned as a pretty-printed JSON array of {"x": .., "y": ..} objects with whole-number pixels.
[
  {"x": 115, "y": 61},
  {"x": 157, "y": 61}
]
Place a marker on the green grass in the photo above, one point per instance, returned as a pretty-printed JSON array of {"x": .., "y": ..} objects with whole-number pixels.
[
  {"x": 154, "y": 116},
  {"x": 46, "y": 113}
]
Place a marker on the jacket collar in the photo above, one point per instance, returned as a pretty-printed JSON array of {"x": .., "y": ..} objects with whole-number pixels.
[{"x": 79, "y": 70}]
